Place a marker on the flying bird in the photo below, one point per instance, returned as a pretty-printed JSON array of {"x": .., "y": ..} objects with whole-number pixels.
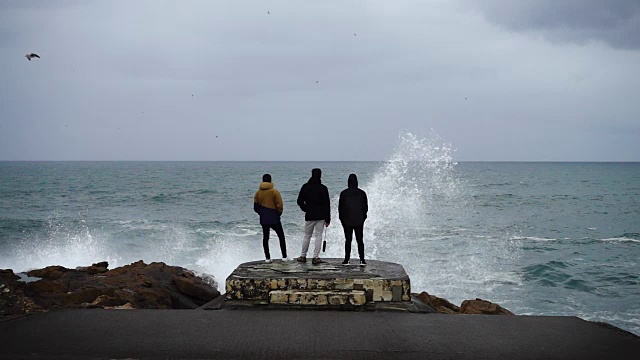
[
  {"x": 354, "y": 34},
  {"x": 316, "y": 82},
  {"x": 31, "y": 56},
  {"x": 465, "y": 98},
  {"x": 268, "y": 13}
]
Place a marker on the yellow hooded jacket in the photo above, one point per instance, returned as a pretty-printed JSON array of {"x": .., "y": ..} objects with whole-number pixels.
[{"x": 268, "y": 203}]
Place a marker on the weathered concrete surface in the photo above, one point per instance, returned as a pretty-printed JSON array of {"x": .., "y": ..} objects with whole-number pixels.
[
  {"x": 255, "y": 334},
  {"x": 329, "y": 283}
]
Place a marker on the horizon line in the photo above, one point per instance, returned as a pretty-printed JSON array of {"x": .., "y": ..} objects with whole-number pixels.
[{"x": 465, "y": 161}]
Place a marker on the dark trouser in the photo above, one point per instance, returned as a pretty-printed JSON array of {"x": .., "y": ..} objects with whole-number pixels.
[
  {"x": 348, "y": 236},
  {"x": 265, "y": 239}
]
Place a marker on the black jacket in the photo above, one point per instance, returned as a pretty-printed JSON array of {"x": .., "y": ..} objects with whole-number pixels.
[
  {"x": 353, "y": 204},
  {"x": 313, "y": 199}
]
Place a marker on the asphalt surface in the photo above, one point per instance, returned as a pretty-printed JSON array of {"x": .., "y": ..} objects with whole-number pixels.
[{"x": 287, "y": 334}]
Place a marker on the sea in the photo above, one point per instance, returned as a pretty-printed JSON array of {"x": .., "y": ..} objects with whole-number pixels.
[{"x": 539, "y": 238}]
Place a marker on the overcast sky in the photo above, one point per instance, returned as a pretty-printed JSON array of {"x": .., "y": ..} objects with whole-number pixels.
[{"x": 526, "y": 80}]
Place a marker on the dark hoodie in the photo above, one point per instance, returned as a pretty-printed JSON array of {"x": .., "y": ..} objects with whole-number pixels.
[
  {"x": 353, "y": 204},
  {"x": 313, "y": 199}
]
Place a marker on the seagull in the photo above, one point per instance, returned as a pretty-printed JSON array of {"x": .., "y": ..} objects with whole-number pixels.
[
  {"x": 31, "y": 56},
  {"x": 268, "y": 13},
  {"x": 465, "y": 98},
  {"x": 316, "y": 82},
  {"x": 354, "y": 34}
]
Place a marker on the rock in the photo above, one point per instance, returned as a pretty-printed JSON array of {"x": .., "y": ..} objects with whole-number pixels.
[
  {"x": 126, "y": 306},
  {"x": 13, "y": 300},
  {"x": 142, "y": 286},
  {"x": 181, "y": 301},
  {"x": 195, "y": 287},
  {"x": 97, "y": 268},
  {"x": 479, "y": 306},
  {"x": 44, "y": 286},
  {"x": 50, "y": 272},
  {"x": 439, "y": 304},
  {"x": 7, "y": 276},
  {"x": 445, "y": 310},
  {"x": 86, "y": 295},
  {"x": 105, "y": 301}
]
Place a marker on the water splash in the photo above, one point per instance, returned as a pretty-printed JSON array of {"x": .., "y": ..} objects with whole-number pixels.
[
  {"x": 417, "y": 213},
  {"x": 65, "y": 243},
  {"x": 223, "y": 254},
  {"x": 402, "y": 193}
]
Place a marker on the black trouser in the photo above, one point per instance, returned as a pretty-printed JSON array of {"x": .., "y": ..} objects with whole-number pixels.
[
  {"x": 265, "y": 239},
  {"x": 348, "y": 236}
]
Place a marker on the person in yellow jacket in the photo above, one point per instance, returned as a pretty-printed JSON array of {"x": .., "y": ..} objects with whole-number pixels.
[{"x": 268, "y": 204}]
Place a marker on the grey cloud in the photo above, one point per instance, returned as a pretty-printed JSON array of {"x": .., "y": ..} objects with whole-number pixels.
[
  {"x": 614, "y": 22},
  {"x": 122, "y": 77}
]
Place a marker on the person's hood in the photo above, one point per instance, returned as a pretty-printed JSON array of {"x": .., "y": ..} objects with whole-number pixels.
[
  {"x": 353, "y": 181},
  {"x": 316, "y": 174},
  {"x": 266, "y": 185}
]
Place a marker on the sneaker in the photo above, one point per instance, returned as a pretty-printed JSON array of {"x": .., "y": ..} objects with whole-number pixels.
[
  {"x": 346, "y": 262},
  {"x": 301, "y": 259},
  {"x": 316, "y": 261},
  {"x": 268, "y": 261},
  {"x": 363, "y": 263},
  {"x": 285, "y": 259}
]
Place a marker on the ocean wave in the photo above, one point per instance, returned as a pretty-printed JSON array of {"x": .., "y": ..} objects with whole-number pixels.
[
  {"x": 239, "y": 232},
  {"x": 579, "y": 285},
  {"x": 144, "y": 225},
  {"x": 620, "y": 239},
  {"x": 548, "y": 274},
  {"x": 198, "y": 191},
  {"x": 625, "y": 237},
  {"x": 532, "y": 238}
]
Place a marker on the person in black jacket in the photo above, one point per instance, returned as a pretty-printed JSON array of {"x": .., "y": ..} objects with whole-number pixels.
[
  {"x": 313, "y": 199},
  {"x": 352, "y": 210}
]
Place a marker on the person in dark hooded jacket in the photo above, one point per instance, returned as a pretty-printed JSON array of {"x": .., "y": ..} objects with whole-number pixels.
[
  {"x": 313, "y": 199},
  {"x": 352, "y": 210}
]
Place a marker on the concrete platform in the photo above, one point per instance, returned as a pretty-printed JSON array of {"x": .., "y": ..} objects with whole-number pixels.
[
  {"x": 257, "y": 334},
  {"x": 329, "y": 284}
]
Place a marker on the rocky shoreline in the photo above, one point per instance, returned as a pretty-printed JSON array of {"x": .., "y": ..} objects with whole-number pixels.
[
  {"x": 144, "y": 286},
  {"x": 134, "y": 286}
]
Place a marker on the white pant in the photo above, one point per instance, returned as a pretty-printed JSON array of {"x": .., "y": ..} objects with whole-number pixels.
[{"x": 309, "y": 226}]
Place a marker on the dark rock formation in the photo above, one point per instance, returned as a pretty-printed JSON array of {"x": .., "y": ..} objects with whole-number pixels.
[
  {"x": 137, "y": 285},
  {"x": 439, "y": 304},
  {"x": 477, "y": 306},
  {"x": 50, "y": 272},
  {"x": 12, "y": 298},
  {"x": 95, "y": 268},
  {"x": 193, "y": 286}
]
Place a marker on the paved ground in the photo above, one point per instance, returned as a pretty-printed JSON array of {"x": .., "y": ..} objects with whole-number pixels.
[{"x": 286, "y": 334}]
